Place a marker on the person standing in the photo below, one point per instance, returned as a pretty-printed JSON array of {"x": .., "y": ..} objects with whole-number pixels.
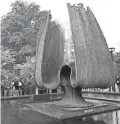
[
  {"x": 2, "y": 90},
  {"x": 26, "y": 89},
  {"x": 13, "y": 88},
  {"x": 7, "y": 87},
  {"x": 20, "y": 88},
  {"x": 32, "y": 86},
  {"x": 118, "y": 82},
  {"x": 16, "y": 86},
  {"x": 23, "y": 87}
]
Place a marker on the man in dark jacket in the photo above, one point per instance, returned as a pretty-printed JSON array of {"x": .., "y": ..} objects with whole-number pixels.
[
  {"x": 32, "y": 86},
  {"x": 16, "y": 85},
  {"x": 2, "y": 90}
]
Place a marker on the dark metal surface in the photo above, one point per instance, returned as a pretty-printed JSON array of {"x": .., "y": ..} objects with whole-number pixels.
[{"x": 72, "y": 98}]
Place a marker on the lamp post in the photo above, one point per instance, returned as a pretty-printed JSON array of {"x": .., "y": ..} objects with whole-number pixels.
[{"x": 112, "y": 49}]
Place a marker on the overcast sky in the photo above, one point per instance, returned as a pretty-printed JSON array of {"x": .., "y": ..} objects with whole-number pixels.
[{"x": 107, "y": 13}]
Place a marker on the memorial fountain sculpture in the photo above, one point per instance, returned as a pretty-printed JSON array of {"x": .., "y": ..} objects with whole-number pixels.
[{"x": 93, "y": 66}]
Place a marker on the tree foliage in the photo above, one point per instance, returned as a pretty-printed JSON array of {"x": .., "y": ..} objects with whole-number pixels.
[
  {"x": 69, "y": 53},
  {"x": 18, "y": 27},
  {"x": 19, "y": 30}
]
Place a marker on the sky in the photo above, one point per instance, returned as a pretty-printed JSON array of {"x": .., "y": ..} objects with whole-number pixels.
[{"x": 107, "y": 13}]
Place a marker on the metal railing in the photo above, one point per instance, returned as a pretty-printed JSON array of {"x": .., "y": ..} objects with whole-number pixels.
[
  {"x": 104, "y": 93},
  {"x": 57, "y": 96}
]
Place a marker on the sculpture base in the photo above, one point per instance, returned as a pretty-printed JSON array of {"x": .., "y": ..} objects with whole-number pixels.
[
  {"x": 50, "y": 109},
  {"x": 72, "y": 103}
]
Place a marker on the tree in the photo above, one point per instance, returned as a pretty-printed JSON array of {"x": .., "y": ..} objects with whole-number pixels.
[
  {"x": 7, "y": 62},
  {"x": 19, "y": 30},
  {"x": 69, "y": 53},
  {"x": 19, "y": 27}
]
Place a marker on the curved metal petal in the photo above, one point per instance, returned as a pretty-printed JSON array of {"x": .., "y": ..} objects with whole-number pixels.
[
  {"x": 93, "y": 63},
  {"x": 106, "y": 70},
  {"x": 49, "y": 56}
]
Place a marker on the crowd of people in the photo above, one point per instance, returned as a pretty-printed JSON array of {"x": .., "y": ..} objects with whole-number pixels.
[
  {"x": 18, "y": 87},
  {"x": 24, "y": 86}
]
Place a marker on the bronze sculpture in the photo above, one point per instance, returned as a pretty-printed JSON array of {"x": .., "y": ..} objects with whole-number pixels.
[{"x": 93, "y": 66}]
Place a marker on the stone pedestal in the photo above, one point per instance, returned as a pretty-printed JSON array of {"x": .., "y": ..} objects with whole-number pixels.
[{"x": 57, "y": 112}]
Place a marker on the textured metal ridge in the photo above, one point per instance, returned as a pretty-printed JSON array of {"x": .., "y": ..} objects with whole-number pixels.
[
  {"x": 49, "y": 58},
  {"x": 93, "y": 64}
]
